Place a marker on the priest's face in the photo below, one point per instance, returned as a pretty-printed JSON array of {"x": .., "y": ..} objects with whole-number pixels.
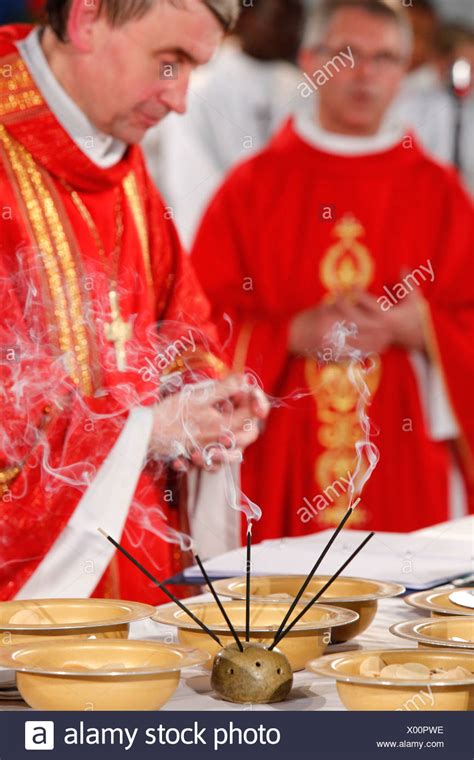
[
  {"x": 133, "y": 75},
  {"x": 357, "y": 71}
]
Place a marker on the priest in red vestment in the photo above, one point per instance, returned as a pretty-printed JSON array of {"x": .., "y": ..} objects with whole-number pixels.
[
  {"x": 110, "y": 380},
  {"x": 344, "y": 220}
]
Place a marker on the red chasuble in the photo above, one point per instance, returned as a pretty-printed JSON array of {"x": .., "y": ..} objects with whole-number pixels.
[
  {"x": 288, "y": 230},
  {"x": 63, "y": 399}
]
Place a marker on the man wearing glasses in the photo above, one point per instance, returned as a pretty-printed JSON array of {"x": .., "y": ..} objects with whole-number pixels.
[{"x": 343, "y": 220}]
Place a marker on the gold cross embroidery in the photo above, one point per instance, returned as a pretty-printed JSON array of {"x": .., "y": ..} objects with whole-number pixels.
[{"x": 118, "y": 332}]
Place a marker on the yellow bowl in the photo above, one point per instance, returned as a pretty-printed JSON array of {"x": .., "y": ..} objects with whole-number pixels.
[
  {"x": 40, "y": 619},
  {"x": 309, "y": 638},
  {"x": 438, "y": 603},
  {"x": 362, "y": 693},
  {"x": 358, "y": 594},
  {"x": 450, "y": 631},
  {"x": 98, "y": 675}
]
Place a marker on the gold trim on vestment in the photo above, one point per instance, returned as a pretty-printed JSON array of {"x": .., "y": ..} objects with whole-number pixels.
[
  {"x": 346, "y": 265},
  {"x": 132, "y": 194},
  {"x": 196, "y": 360},
  {"x": 7, "y": 477},
  {"x": 242, "y": 347},
  {"x": 57, "y": 259},
  {"x": 18, "y": 92}
]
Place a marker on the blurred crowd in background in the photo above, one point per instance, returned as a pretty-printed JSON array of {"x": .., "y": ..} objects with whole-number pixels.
[
  {"x": 20, "y": 10},
  {"x": 237, "y": 102}
]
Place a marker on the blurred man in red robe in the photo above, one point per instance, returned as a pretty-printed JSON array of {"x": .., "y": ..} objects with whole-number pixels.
[
  {"x": 343, "y": 220},
  {"x": 104, "y": 331}
]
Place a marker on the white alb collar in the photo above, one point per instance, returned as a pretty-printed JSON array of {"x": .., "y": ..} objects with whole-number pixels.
[{"x": 309, "y": 129}]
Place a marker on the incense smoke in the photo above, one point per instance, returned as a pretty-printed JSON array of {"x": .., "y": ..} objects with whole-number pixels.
[
  {"x": 359, "y": 367},
  {"x": 44, "y": 414}
]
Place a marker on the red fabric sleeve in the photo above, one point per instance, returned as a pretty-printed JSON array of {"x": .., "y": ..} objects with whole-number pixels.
[
  {"x": 225, "y": 255},
  {"x": 450, "y": 314}
]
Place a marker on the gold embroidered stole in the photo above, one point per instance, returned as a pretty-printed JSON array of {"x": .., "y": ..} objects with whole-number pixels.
[
  {"x": 347, "y": 264},
  {"x": 59, "y": 253}
]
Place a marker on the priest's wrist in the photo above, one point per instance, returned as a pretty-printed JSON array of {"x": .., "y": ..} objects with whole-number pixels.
[
  {"x": 412, "y": 343},
  {"x": 301, "y": 338},
  {"x": 167, "y": 439},
  {"x": 410, "y": 336}
]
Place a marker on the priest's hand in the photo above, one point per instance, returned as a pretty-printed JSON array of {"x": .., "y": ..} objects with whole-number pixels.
[
  {"x": 244, "y": 408},
  {"x": 309, "y": 328},
  {"x": 406, "y": 324},
  {"x": 374, "y": 331},
  {"x": 402, "y": 325},
  {"x": 208, "y": 424}
]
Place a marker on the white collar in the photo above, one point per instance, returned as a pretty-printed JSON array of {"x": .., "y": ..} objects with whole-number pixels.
[
  {"x": 308, "y": 128},
  {"x": 103, "y": 150}
]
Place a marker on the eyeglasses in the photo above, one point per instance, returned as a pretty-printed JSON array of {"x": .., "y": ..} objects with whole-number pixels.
[{"x": 383, "y": 59}]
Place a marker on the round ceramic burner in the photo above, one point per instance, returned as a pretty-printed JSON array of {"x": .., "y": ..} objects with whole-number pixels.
[{"x": 256, "y": 675}]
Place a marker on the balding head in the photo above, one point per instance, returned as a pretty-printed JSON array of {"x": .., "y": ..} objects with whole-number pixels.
[{"x": 121, "y": 11}]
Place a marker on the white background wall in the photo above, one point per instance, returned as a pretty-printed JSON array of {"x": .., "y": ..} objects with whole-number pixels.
[{"x": 463, "y": 9}]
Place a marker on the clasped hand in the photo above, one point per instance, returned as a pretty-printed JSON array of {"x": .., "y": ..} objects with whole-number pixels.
[
  {"x": 209, "y": 423},
  {"x": 377, "y": 330}
]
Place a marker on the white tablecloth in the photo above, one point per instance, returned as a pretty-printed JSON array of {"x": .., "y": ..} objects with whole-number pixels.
[{"x": 310, "y": 692}]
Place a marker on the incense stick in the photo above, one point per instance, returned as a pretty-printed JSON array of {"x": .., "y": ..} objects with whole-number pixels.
[
  {"x": 282, "y": 635},
  {"x": 219, "y": 603},
  {"x": 247, "y": 581},
  {"x": 316, "y": 566},
  {"x": 161, "y": 586}
]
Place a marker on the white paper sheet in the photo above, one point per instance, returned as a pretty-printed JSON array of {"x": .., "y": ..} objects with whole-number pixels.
[{"x": 418, "y": 560}]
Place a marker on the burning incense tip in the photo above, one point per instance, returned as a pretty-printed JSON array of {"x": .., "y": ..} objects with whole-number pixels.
[
  {"x": 103, "y": 533},
  {"x": 247, "y": 581}
]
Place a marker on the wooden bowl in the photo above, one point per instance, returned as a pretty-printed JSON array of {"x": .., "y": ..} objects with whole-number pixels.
[
  {"x": 39, "y": 619},
  {"x": 451, "y": 631},
  {"x": 98, "y": 675},
  {"x": 358, "y": 594},
  {"x": 438, "y": 603},
  {"x": 363, "y": 693},
  {"x": 310, "y": 636}
]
